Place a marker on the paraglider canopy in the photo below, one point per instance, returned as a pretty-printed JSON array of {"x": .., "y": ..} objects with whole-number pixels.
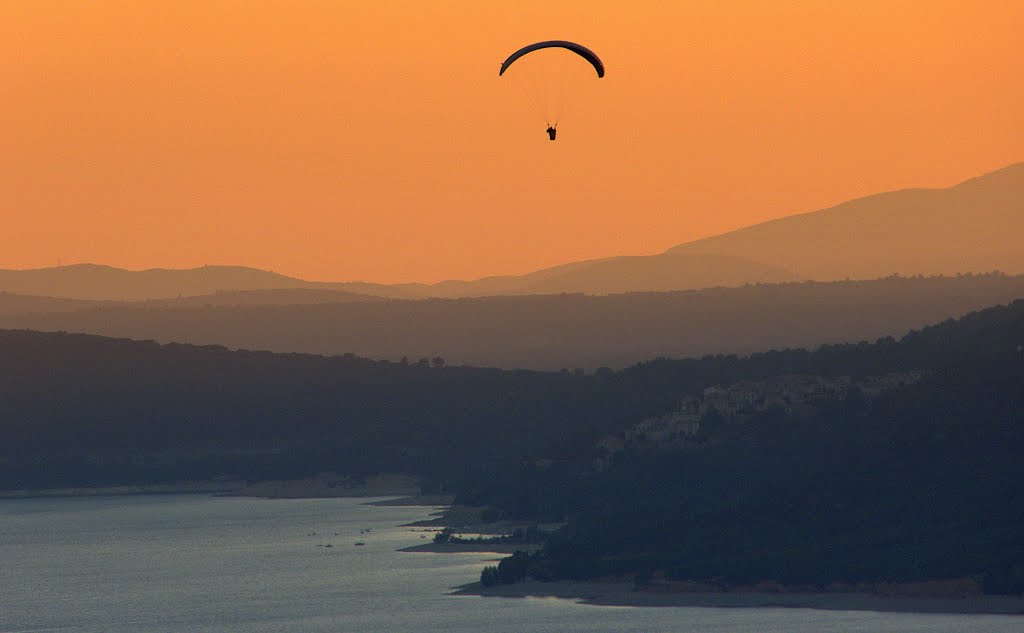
[
  {"x": 554, "y": 79},
  {"x": 579, "y": 49}
]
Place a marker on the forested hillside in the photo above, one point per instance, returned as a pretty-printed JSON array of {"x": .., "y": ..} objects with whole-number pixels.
[{"x": 920, "y": 480}]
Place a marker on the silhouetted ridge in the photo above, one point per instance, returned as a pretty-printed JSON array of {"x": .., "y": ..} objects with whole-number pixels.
[
  {"x": 97, "y": 282},
  {"x": 971, "y": 227},
  {"x": 541, "y": 332}
]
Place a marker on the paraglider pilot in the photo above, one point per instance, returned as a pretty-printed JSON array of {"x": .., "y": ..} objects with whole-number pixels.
[{"x": 573, "y": 47}]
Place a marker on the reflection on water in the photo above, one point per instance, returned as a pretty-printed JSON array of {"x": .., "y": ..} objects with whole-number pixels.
[{"x": 203, "y": 563}]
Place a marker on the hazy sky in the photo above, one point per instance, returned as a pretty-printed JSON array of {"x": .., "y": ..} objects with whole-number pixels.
[{"x": 374, "y": 140}]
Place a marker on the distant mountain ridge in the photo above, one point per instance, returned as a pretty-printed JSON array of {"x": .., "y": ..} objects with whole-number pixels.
[
  {"x": 106, "y": 283},
  {"x": 541, "y": 332},
  {"x": 632, "y": 273},
  {"x": 654, "y": 273},
  {"x": 976, "y": 226},
  {"x": 12, "y": 303}
]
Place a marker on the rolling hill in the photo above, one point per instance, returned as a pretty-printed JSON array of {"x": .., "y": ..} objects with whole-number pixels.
[
  {"x": 11, "y": 303},
  {"x": 612, "y": 275},
  {"x": 976, "y": 226},
  {"x": 554, "y": 331},
  {"x": 673, "y": 271},
  {"x": 106, "y": 283}
]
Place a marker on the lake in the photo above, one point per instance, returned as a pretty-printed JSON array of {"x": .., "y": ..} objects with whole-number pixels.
[{"x": 152, "y": 563}]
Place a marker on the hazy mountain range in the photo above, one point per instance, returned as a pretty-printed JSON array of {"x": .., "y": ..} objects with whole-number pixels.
[
  {"x": 11, "y": 303},
  {"x": 106, "y": 283},
  {"x": 653, "y": 273},
  {"x": 544, "y": 332},
  {"x": 976, "y": 226},
  {"x": 750, "y": 296}
]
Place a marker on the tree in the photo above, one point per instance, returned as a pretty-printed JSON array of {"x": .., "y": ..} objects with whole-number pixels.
[{"x": 489, "y": 576}]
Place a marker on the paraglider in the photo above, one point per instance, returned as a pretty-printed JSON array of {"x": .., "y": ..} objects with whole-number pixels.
[
  {"x": 579, "y": 49},
  {"x": 547, "y": 91}
]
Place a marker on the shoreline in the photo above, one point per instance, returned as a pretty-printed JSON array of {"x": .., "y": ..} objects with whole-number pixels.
[
  {"x": 621, "y": 594},
  {"x": 108, "y": 491},
  {"x": 433, "y": 501},
  {"x": 609, "y": 593},
  {"x": 501, "y": 549},
  {"x": 328, "y": 486}
]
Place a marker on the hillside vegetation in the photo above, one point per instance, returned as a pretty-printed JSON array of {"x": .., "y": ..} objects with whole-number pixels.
[{"x": 917, "y": 480}]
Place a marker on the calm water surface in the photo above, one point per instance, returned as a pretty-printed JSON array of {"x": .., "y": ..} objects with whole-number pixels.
[{"x": 203, "y": 563}]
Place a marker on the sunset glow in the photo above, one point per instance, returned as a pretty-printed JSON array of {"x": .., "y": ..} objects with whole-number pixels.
[{"x": 375, "y": 141}]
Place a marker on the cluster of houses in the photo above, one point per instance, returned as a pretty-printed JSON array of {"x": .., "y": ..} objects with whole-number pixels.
[{"x": 799, "y": 395}]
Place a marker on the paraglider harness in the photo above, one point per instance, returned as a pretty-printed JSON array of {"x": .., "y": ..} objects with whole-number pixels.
[{"x": 551, "y": 132}]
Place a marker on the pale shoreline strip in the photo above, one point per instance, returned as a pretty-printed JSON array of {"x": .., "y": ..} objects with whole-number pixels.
[{"x": 625, "y": 595}]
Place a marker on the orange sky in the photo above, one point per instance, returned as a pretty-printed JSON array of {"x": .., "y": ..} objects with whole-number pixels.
[{"x": 375, "y": 141}]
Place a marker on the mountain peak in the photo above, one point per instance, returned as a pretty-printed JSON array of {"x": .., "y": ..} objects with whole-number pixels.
[{"x": 974, "y": 226}]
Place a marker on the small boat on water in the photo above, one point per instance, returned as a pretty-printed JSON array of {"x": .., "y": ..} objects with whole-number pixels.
[{"x": 360, "y": 543}]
